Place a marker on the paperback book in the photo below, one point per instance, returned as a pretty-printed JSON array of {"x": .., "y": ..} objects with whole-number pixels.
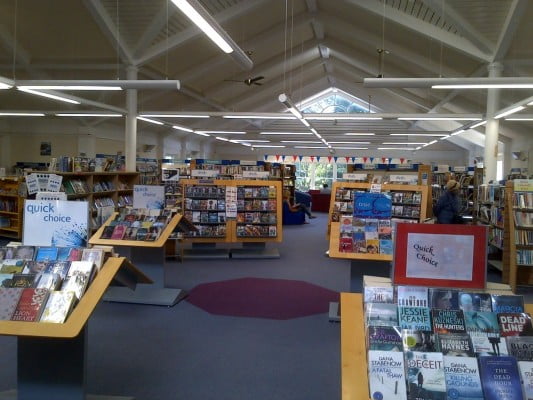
[
  {"x": 484, "y": 331},
  {"x": 416, "y": 318},
  {"x": 469, "y": 301},
  {"x": 385, "y": 338},
  {"x": 425, "y": 376},
  {"x": 444, "y": 299},
  {"x": 448, "y": 321},
  {"x": 78, "y": 278},
  {"x": 386, "y": 375},
  {"x": 526, "y": 373},
  {"x": 500, "y": 378},
  {"x": 58, "y": 267},
  {"x": 379, "y": 294},
  {"x": 507, "y": 303},
  {"x": 47, "y": 281},
  {"x": 413, "y": 296},
  {"x": 23, "y": 280},
  {"x": 520, "y": 347},
  {"x": 30, "y": 305},
  {"x": 9, "y": 298},
  {"x": 515, "y": 324},
  {"x": 455, "y": 344},
  {"x": 381, "y": 314},
  {"x": 462, "y": 378},
  {"x": 423, "y": 341},
  {"x": 58, "y": 307},
  {"x": 46, "y": 253}
]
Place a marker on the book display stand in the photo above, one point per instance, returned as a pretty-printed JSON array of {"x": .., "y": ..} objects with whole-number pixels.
[
  {"x": 354, "y": 374},
  {"x": 149, "y": 254},
  {"x": 52, "y": 358}
]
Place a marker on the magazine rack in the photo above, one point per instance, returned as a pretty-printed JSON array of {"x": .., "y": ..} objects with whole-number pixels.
[
  {"x": 354, "y": 373},
  {"x": 52, "y": 357},
  {"x": 149, "y": 254}
]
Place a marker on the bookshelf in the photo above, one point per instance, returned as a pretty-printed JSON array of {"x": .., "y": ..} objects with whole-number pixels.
[
  {"x": 11, "y": 206},
  {"x": 518, "y": 238}
]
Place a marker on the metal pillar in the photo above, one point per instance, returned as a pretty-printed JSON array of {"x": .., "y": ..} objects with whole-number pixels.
[
  {"x": 131, "y": 123},
  {"x": 491, "y": 128}
]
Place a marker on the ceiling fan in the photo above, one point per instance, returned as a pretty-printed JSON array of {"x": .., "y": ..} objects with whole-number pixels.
[{"x": 249, "y": 81}]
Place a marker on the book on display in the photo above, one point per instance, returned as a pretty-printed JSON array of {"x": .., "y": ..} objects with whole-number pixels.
[
  {"x": 386, "y": 375},
  {"x": 381, "y": 314},
  {"x": 455, "y": 344},
  {"x": 500, "y": 378},
  {"x": 425, "y": 376},
  {"x": 515, "y": 324},
  {"x": 520, "y": 347},
  {"x": 417, "y": 318},
  {"x": 526, "y": 373},
  {"x": 413, "y": 296},
  {"x": 448, "y": 321},
  {"x": 462, "y": 378},
  {"x": 58, "y": 306},
  {"x": 386, "y": 338},
  {"x": 30, "y": 305}
]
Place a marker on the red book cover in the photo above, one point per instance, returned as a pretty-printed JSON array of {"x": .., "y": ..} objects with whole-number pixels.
[
  {"x": 119, "y": 232},
  {"x": 515, "y": 324},
  {"x": 29, "y": 305}
]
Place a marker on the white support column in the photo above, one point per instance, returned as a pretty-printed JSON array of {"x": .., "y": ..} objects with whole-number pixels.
[
  {"x": 183, "y": 148},
  {"x": 130, "y": 138},
  {"x": 492, "y": 127},
  {"x": 160, "y": 147}
]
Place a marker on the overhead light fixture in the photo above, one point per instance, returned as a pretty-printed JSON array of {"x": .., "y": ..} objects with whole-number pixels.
[
  {"x": 251, "y": 140},
  {"x": 349, "y": 142},
  {"x": 257, "y": 116},
  {"x": 299, "y": 141},
  {"x": 445, "y": 137},
  {"x": 267, "y": 145},
  {"x": 21, "y": 114},
  {"x": 396, "y": 148},
  {"x": 165, "y": 115},
  {"x": 201, "y": 134},
  {"x": 457, "y": 132},
  {"x": 359, "y": 134},
  {"x": 182, "y": 128},
  {"x": 49, "y": 96},
  {"x": 152, "y": 121},
  {"x": 339, "y": 117},
  {"x": 404, "y": 143},
  {"x": 349, "y": 148},
  {"x": 509, "y": 112},
  {"x": 457, "y": 117},
  {"x": 283, "y": 98},
  {"x": 451, "y": 83},
  {"x": 6, "y": 83},
  {"x": 310, "y": 147},
  {"x": 418, "y": 148},
  {"x": 203, "y": 20},
  {"x": 418, "y": 134},
  {"x": 101, "y": 115},
  {"x": 285, "y": 133},
  {"x": 224, "y": 132},
  {"x": 4, "y": 86},
  {"x": 222, "y": 138},
  {"x": 478, "y": 124},
  {"x": 519, "y": 119},
  {"x": 100, "y": 85}
]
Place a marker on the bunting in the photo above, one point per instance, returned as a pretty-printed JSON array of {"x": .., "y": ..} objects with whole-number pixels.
[
  {"x": 329, "y": 158},
  {"x": 294, "y": 158},
  {"x": 283, "y": 158},
  {"x": 277, "y": 157}
]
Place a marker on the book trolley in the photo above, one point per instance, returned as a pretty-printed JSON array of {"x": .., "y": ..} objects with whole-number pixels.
[
  {"x": 52, "y": 358},
  {"x": 150, "y": 254}
]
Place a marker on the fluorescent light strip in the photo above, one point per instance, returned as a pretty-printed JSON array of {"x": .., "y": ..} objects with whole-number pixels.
[
  {"x": 48, "y": 95},
  {"x": 359, "y": 134},
  {"x": 349, "y": 142},
  {"x": 418, "y": 134},
  {"x": 257, "y": 117},
  {"x": 222, "y": 138},
  {"x": 152, "y": 121},
  {"x": 332, "y": 118},
  {"x": 310, "y": 147},
  {"x": 519, "y": 119},
  {"x": 102, "y": 115},
  {"x": 509, "y": 112},
  {"x": 300, "y": 141},
  {"x": 395, "y": 148},
  {"x": 285, "y": 133},
  {"x": 201, "y": 134},
  {"x": 174, "y": 116},
  {"x": 486, "y": 86},
  {"x": 418, "y": 148},
  {"x": 68, "y": 87},
  {"x": 266, "y": 145},
  {"x": 224, "y": 132},
  {"x": 457, "y": 132},
  {"x": 305, "y": 122},
  {"x": 199, "y": 21},
  {"x": 20, "y": 114},
  {"x": 183, "y": 128},
  {"x": 438, "y": 119},
  {"x": 296, "y": 113},
  {"x": 4, "y": 86},
  {"x": 349, "y": 148},
  {"x": 432, "y": 142},
  {"x": 405, "y": 143},
  {"x": 478, "y": 124},
  {"x": 445, "y": 137},
  {"x": 251, "y": 140}
]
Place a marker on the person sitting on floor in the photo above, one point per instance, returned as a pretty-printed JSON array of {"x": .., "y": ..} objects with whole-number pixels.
[{"x": 296, "y": 206}]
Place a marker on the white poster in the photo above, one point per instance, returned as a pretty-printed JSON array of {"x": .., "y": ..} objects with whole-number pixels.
[
  {"x": 231, "y": 202},
  {"x": 55, "y": 223},
  {"x": 438, "y": 256},
  {"x": 170, "y": 174},
  {"x": 148, "y": 196}
]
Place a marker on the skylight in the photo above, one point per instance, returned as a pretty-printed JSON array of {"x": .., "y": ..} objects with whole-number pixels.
[{"x": 334, "y": 100}]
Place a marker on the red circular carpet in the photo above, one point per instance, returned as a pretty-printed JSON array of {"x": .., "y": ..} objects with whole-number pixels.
[{"x": 262, "y": 298}]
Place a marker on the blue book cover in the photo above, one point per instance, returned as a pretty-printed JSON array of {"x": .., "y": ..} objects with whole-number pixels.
[
  {"x": 462, "y": 378},
  {"x": 416, "y": 318},
  {"x": 46, "y": 254},
  {"x": 385, "y": 246},
  {"x": 500, "y": 378},
  {"x": 372, "y": 205},
  {"x": 507, "y": 303}
]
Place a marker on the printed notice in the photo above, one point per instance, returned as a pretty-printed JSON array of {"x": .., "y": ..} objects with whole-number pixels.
[{"x": 437, "y": 256}]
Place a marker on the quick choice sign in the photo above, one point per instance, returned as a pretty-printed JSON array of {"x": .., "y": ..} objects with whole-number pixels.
[{"x": 55, "y": 223}]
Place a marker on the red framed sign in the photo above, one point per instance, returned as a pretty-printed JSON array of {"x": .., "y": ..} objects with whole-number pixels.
[{"x": 440, "y": 255}]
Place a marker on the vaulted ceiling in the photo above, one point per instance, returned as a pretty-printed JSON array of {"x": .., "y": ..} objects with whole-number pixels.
[{"x": 300, "y": 47}]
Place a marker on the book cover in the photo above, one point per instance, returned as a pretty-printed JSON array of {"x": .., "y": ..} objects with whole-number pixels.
[
  {"x": 500, "y": 378},
  {"x": 455, "y": 344},
  {"x": 484, "y": 330},
  {"x": 75, "y": 254},
  {"x": 63, "y": 253},
  {"x": 413, "y": 296},
  {"x": 444, "y": 299},
  {"x": 58, "y": 267},
  {"x": 345, "y": 244},
  {"x": 386, "y": 375},
  {"x": 131, "y": 233},
  {"x": 448, "y": 321},
  {"x": 475, "y": 301},
  {"x": 416, "y": 318},
  {"x": 386, "y": 338},
  {"x": 24, "y": 252},
  {"x": 107, "y": 232},
  {"x": 141, "y": 233},
  {"x": 520, "y": 347},
  {"x": 425, "y": 376},
  {"x": 346, "y": 224},
  {"x": 5, "y": 280},
  {"x": 46, "y": 253},
  {"x": 30, "y": 304},
  {"x": 34, "y": 267},
  {"x": 9, "y": 298},
  {"x": 379, "y": 294},
  {"x": 12, "y": 266},
  {"x": 515, "y": 324},
  {"x": 57, "y": 307},
  {"x": 385, "y": 246},
  {"x": 78, "y": 278},
  {"x": 22, "y": 280},
  {"x": 526, "y": 373},
  {"x": 47, "y": 281},
  {"x": 507, "y": 303},
  {"x": 381, "y": 314},
  {"x": 462, "y": 378},
  {"x": 118, "y": 233},
  {"x": 423, "y": 341},
  {"x": 94, "y": 255},
  {"x": 372, "y": 246}
]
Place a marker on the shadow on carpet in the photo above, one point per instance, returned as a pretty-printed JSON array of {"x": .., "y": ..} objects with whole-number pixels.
[{"x": 262, "y": 298}]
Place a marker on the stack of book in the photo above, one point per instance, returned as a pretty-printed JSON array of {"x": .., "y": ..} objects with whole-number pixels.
[
  {"x": 137, "y": 224},
  {"x": 45, "y": 283},
  {"x": 447, "y": 344}
]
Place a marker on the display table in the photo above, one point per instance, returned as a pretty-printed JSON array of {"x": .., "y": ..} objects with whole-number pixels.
[
  {"x": 52, "y": 358},
  {"x": 354, "y": 363}
]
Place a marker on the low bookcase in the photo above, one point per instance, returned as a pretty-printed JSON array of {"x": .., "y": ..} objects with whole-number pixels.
[{"x": 52, "y": 357}]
